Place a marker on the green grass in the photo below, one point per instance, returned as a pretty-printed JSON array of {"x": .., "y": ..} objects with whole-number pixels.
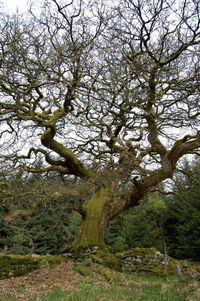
[
  {"x": 9, "y": 298},
  {"x": 137, "y": 289}
]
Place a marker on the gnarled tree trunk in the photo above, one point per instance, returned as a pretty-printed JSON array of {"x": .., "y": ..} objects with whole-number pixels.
[
  {"x": 106, "y": 205},
  {"x": 91, "y": 231},
  {"x": 97, "y": 213}
]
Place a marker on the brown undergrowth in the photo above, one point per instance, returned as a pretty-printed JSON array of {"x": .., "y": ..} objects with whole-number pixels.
[{"x": 40, "y": 282}]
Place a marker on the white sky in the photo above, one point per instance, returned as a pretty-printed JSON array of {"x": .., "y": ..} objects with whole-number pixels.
[{"x": 10, "y": 6}]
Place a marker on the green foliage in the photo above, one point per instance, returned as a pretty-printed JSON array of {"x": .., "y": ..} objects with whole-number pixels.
[
  {"x": 183, "y": 223},
  {"x": 49, "y": 228},
  {"x": 73, "y": 223},
  {"x": 139, "y": 227},
  {"x": 6, "y": 234},
  {"x": 46, "y": 229},
  {"x": 155, "y": 202}
]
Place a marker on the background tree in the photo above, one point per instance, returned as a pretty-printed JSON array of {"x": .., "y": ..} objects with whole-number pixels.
[
  {"x": 44, "y": 228},
  {"x": 106, "y": 93},
  {"x": 141, "y": 226},
  {"x": 183, "y": 223}
]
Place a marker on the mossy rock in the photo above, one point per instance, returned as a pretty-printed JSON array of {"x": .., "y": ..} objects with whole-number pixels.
[
  {"x": 108, "y": 275},
  {"x": 107, "y": 259},
  {"x": 87, "y": 261},
  {"x": 137, "y": 252},
  {"x": 83, "y": 270},
  {"x": 148, "y": 261},
  {"x": 78, "y": 253},
  {"x": 53, "y": 260},
  {"x": 19, "y": 265},
  {"x": 14, "y": 266},
  {"x": 96, "y": 259}
]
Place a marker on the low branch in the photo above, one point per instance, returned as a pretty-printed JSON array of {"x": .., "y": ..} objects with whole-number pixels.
[
  {"x": 12, "y": 215},
  {"x": 177, "y": 195}
]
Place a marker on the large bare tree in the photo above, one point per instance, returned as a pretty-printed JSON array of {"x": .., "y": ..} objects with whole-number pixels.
[{"x": 105, "y": 93}]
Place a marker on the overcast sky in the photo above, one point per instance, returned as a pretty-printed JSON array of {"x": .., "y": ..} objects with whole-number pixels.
[{"x": 11, "y": 5}]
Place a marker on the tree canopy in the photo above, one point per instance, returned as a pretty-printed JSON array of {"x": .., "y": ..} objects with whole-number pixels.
[{"x": 101, "y": 91}]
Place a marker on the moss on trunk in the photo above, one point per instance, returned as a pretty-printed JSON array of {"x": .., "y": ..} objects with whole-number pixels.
[{"x": 91, "y": 231}]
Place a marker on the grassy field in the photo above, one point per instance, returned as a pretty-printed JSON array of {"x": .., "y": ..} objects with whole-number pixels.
[
  {"x": 146, "y": 290},
  {"x": 73, "y": 281},
  {"x": 123, "y": 287}
]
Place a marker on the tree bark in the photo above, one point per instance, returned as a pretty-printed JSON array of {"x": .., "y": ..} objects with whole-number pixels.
[
  {"x": 98, "y": 212},
  {"x": 92, "y": 229}
]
